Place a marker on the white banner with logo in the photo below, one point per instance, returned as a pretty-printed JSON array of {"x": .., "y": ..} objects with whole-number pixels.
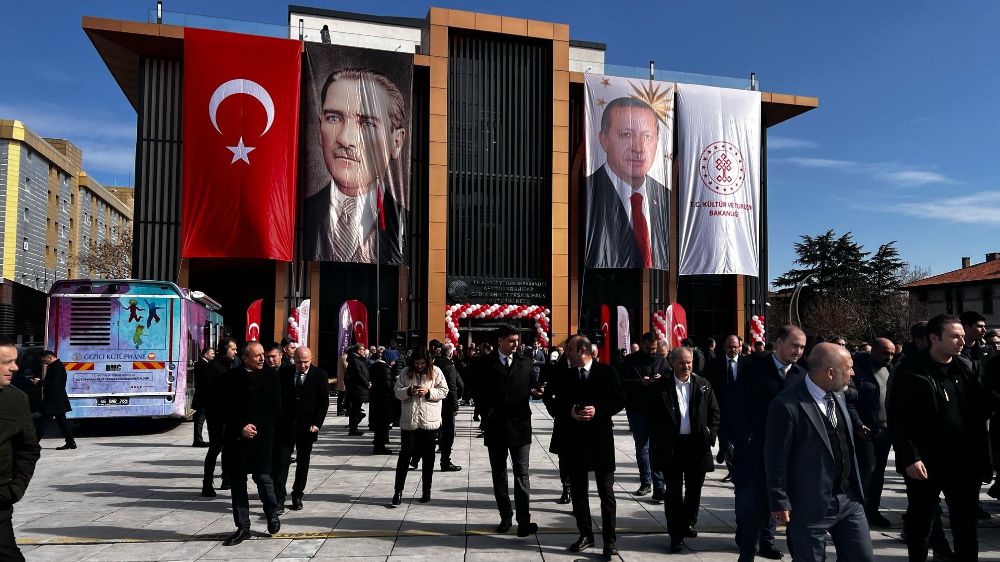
[
  {"x": 719, "y": 198},
  {"x": 624, "y": 333}
]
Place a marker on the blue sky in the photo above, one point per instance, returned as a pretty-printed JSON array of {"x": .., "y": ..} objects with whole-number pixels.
[{"x": 903, "y": 146}]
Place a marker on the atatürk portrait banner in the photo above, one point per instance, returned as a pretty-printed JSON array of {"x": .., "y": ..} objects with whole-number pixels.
[
  {"x": 355, "y": 153},
  {"x": 629, "y": 130}
]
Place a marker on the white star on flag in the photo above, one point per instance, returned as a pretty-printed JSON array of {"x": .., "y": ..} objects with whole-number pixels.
[{"x": 241, "y": 152}]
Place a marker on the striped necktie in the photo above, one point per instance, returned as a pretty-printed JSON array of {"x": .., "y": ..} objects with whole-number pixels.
[{"x": 347, "y": 231}]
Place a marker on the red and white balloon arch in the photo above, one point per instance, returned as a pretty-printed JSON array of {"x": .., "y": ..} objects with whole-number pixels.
[{"x": 454, "y": 313}]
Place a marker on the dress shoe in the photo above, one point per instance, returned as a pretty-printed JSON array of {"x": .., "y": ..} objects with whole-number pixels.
[
  {"x": 200, "y": 444},
  {"x": 504, "y": 526},
  {"x": 690, "y": 533},
  {"x": 450, "y": 467},
  {"x": 676, "y": 547},
  {"x": 66, "y": 446},
  {"x": 727, "y": 478},
  {"x": 414, "y": 464},
  {"x": 225, "y": 484},
  {"x": 879, "y": 521},
  {"x": 397, "y": 498},
  {"x": 657, "y": 497},
  {"x": 425, "y": 497},
  {"x": 274, "y": 524},
  {"x": 382, "y": 451},
  {"x": 280, "y": 510},
  {"x": 582, "y": 543},
  {"x": 994, "y": 491},
  {"x": 236, "y": 538},
  {"x": 643, "y": 490},
  {"x": 943, "y": 554},
  {"x": 296, "y": 504},
  {"x": 982, "y": 514},
  {"x": 610, "y": 551},
  {"x": 527, "y": 530},
  {"x": 770, "y": 553},
  {"x": 564, "y": 498},
  {"x": 208, "y": 491}
]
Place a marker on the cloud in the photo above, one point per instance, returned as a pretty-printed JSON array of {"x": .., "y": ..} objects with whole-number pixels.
[
  {"x": 787, "y": 143},
  {"x": 980, "y": 208},
  {"x": 108, "y": 158},
  {"x": 896, "y": 174},
  {"x": 916, "y": 177}
]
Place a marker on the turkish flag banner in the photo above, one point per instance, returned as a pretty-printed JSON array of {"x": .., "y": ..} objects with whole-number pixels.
[
  {"x": 253, "y": 320},
  {"x": 241, "y": 116},
  {"x": 678, "y": 324}
]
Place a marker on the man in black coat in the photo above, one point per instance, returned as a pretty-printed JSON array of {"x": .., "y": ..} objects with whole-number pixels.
[
  {"x": 585, "y": 398},
  {"x": 723, "y": 373},
  {"x": 442, "y": 354},
  {"x": 504, "y": 400},
  {"x": 253, "y": 403},
  {"x": 640, "y": 370},
  {"x": 380, "y": 403},
  {"x": 19, "y": 450},
  {"x": 358, "y": 384},
  {"x": 938, "y": 409},
  {"x": 55, "y": 401},
  {"x": 305, "y": 400},
  {"x": 764, "y": 377},
  {"x": 202, "y": 376},
  {"x": 214, "y": 398},
  {"x": 685, "y": 418}
]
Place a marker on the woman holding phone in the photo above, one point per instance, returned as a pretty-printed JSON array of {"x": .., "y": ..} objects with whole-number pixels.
[{"x": 420, "y": 387}]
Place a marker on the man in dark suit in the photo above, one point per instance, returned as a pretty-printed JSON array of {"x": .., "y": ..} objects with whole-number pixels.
[
  {"x": 380, "y": 399},
  {"x": 584, "y": 398},
  {"x": 363, "y": 126},
  {"x": 55, "y": 401},
  {"x": 639, "y": 371},
  {"x": 253, "y": 402},
  {"x": 628, "y": 211},
  {"x": 685, "y": 417},
  {"x": 358, "y": 384},
  {"x": 814, "y": 484},
  {"x": 504, "y": 395},
  {"x": 305, "y": 399},
  {"x": 215, "y": 412},
  {"x": 442, "y": 354},
  {"x": 938, "y": 409},
  {"x": 723, "y": 373},
  {"x": 764, "y": 377},
  {"x": 870, "y": 419},
  {"x": 202, "y": 374}
]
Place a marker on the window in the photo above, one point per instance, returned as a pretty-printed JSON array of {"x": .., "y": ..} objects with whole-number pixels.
[
  {"x": 24, "y": 244},
  {"x": 27, "y": 183},
  {"x": 988, "y": 299},
  {"x": 27, "y": 214}
]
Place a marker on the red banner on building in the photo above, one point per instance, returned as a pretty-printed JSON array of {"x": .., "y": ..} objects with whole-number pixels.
[
  {"x": 253, "y": 320},
  {"x": 678, "y": 324},
  {"x": 241, "y": 115}
]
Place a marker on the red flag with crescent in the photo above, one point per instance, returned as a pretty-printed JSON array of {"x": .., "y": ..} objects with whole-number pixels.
[
  {"x": 678, "y": 324},
  {"x": 241, "y": 117},
  {"x": 353, "y": 325},
  {"x": 253, "y": 320}
]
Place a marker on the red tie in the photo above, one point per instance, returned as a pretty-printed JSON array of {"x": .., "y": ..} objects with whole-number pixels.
[{"x": 641, "y": 230}]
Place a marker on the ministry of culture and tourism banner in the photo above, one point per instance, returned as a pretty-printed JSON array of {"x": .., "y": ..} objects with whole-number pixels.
[
  {"x": 719, "y": 156},
  {"x": 355, "y": 143},
  {"x": 629, "y": 131}
]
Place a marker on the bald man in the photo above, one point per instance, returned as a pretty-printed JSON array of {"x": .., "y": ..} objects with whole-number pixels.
[
  {"x": 871, "y": 379},
  {"x": 814, "y": 484}
]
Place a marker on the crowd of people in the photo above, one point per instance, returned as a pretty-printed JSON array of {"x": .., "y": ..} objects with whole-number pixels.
[{"x": 804, "y": 427}]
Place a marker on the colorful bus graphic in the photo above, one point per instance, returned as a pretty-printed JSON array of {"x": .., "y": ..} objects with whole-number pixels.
[{"x": 129, "y": 347}]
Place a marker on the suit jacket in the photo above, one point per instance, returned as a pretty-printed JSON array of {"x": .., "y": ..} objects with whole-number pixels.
[
  {"x": 380, "y": 376},
  {"x": 610, "y": 241},
  {"x": 756, "y": 386},
  {"x": 717, "y": 373},
  {"x": 203, "y": 374},
  {"x": 586, "y": 445},
  {"x": 456, "y": 387},
  {"x": 250, "y": 399},
  {"x": 504, "y": 399},
  {"x": 356, "y": 377},
  {"x": 801, "y": 466},
  {"x": 320, "y": 237},
  {"x": 19, "y": 450},
  {"x": 703, "y": 412},
  {"x": 54, "y": 398},
  {"x": 215, "y": 389},
  {"x": 635, "y": 366},
  {"x": 302, "y": 407}
]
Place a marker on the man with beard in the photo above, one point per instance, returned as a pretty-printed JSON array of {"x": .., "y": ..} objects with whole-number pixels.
[
  {"x": 639, "y": 371},
  {"x": 215, "y": 412}
]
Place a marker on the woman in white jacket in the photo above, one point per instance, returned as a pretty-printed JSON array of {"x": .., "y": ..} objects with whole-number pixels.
[{"x": 421, "y": 387}]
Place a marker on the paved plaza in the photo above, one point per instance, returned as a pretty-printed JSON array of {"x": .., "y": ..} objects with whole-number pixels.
[{"x": 134, "y": 495}]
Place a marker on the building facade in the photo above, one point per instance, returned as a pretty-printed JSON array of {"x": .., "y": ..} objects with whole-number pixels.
[{"x": 974, "y": 287}]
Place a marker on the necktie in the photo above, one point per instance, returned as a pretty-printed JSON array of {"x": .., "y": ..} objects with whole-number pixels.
[
  {"x": 583, "y": 374},
  {"x": 347, "y": 232},
  {"x": 732, "y": 370},
  {"x": 831, "y": 410},
  {"x": 641, "y": 230},
  {"x": 506, "y": 362},
  {"x": 299, "y": 379}
]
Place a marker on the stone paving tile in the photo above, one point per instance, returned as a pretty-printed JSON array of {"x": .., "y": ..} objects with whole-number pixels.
[
  {"x": 356, "y": 547},
  {"x": 64, "y": 552}
]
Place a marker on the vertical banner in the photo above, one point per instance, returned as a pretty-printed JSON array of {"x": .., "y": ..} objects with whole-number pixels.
[
  {"x": 678, "y": 324},
  {"x": 624, "y": 335},
  {"x": 355, "y": 153},
  {"x": 353, "y": 325},
  {"x": 629, "y": 130},
  {"x": 719, "y": 155},
  {"x": 253, "y": 321},
  {"x": 303, "y": 320},
  {"x": 604, "y": 355},
  {"x": 241, "y": 107}
]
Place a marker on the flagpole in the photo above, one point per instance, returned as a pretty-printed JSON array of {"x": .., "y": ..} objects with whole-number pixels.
[{"x": 378, "y": 270}]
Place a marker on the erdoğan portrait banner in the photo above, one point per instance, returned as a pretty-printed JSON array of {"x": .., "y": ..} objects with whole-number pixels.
[{"x": 241, "y": 106}]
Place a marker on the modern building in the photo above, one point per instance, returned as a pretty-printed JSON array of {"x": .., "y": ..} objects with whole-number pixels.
[
  {"x": 468, "y": 241},
  {"x": 973, "y": 287},
  {"x": 52, "y": 210}
]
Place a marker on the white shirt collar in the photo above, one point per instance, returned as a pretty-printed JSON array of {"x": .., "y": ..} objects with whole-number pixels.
[
  {"x": 679, "y": 384},
  {"x": 586, "y": 366},
  {"x": 503, "y": 358},
  {"x": 625, "y": 191},
  {"x": 367, "y": 204},
  {"x": 777, "y": 362},
  {"x": 817, "y": 393}
]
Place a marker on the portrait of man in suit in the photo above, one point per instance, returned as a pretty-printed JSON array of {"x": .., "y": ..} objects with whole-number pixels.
[
  {"x": 628, "y": 209},
  {"x": 363, "y": 125}
]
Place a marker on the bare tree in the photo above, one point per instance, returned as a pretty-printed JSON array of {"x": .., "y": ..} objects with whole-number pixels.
[{"x": 110, "y": 258}]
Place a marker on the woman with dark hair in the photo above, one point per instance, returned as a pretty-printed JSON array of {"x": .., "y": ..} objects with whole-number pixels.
[{"x": 420, "y": 387}]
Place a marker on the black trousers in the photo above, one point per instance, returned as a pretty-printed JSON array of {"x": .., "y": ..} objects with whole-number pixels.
[
  {"x": 418, "y": 443},
  {"x": 199, "y": 426},
  {"x": 353, "y": 413},
  {"x": 522, "y": 484},
  {"x": 446, "y": 434},
  {"x": 8, "y": 545},
  {"x": 42, "y": 424},
  {"x": 381, "y": 420},
  {"x": 873, "y": 455},
  {"x": 282, "y": 462},
  {"x": 754, "y": 524},
  {"x": 241, "y": 499},
  {"x": 579, "y": 485},
  {"x": 216, "y": 431},
  {"x": 564, "y": 472},
  {"x": 683, "y": 478},
  {"x": 962, "y": 496}
]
